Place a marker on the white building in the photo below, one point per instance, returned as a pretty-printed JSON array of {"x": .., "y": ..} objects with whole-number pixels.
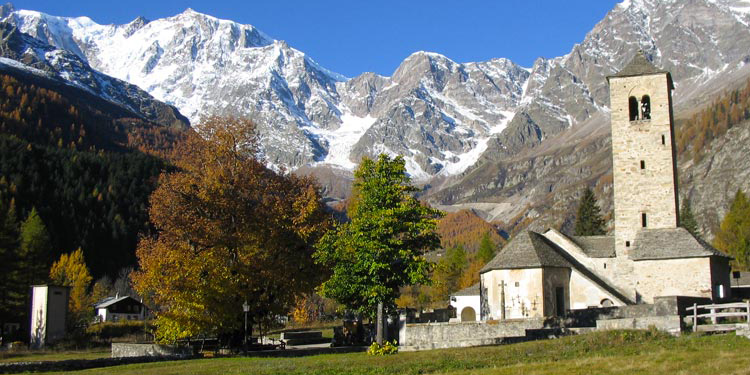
[
  {"x": 466, "y": 303},
  {"x": 113, "y": 309},
  {"x": 49, "y": 311}
]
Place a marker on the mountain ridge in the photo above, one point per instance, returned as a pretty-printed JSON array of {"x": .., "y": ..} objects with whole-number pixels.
[{"x": 479, "y": 134}]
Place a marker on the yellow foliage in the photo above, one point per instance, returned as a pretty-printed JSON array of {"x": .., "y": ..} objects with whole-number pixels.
[
  {"x": 470, "y": 275},
  {"x": 70, "y": 270},
  {"x": 230, "y": 231}
]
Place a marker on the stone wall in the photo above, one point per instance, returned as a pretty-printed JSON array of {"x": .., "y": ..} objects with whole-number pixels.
[
  {"x": 681, "y": 277},
  {"x": 643, "y": 158},
  {"x": 120, "y": 350},
  {"x": 453, "y": 335},
  {"x": 666, "y": 314},
  {"x": 616, "y": 272}
]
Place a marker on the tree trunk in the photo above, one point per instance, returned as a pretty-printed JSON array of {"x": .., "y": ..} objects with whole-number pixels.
[{"x": 379, "y": 334}]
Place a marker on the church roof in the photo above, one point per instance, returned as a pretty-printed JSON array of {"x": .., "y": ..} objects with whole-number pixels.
[
  {"x": 470, "y": 291},
  {"x": 640, "y": 65},
  {"x": 670, "y": 243},
  {"x": 596, "y": 246},
  {"x": 527, "y": 250}
]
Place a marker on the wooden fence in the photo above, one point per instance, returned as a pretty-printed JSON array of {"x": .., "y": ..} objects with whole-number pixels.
[{"x": 739, "y": 310}]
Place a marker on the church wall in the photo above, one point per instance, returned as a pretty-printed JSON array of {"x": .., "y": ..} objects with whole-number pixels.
[
  {"x": 556, "y": 278},
  {"x": 643, "y": 159},
  {"x": 617, "y": 272},
  {"x": 523, "y": 293},
  {"x": 584, "y": 293},
  {"x": 673, "y": 277}
]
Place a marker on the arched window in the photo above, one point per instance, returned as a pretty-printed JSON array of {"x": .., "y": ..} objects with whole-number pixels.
[
  {"x": 646, "y": 107},
  {"x": 633, "y": 105}
]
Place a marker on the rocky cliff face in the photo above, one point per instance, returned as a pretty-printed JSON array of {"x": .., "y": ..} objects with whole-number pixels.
[{"x": 513, "y": 143}]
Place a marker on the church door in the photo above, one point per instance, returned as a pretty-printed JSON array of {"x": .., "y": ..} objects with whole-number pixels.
[{"x": 560, "y": 301}]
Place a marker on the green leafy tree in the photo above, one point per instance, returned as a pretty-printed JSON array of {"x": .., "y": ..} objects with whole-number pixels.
[
  {"x": 486, "y": 249},
  {"x": 381, "y": 249},
  {"x": 687, "y": 220},
  {"x": 589, "y": 220},
  {"x": 35, "y": 249},
  {"x": 733, "y": 236}
]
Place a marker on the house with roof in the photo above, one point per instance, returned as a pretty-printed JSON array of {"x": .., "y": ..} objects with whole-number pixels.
[
  {"x": 647, "y": 256},
  {"x": 118, "y": 308},
  {"x": 466, "y": 302}
]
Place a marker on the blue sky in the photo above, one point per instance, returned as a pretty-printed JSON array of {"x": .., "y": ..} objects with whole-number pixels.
[{"x": 351, "y": 37}]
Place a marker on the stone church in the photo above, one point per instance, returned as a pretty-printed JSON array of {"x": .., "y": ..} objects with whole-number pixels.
[{"x": 545, "y": 274}]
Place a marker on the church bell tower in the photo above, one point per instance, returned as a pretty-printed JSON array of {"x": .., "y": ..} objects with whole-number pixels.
[{"x": 643, "y": 152}]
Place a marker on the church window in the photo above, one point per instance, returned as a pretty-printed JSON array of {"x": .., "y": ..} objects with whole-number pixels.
[
  {"x": 643, "y": 164},
  {"x": 518, "y": 284},
  {"x": 627, "y": 243},
  {"x": 646, "y": 107},
  {"x": 605, "y": 266},
  {"x": 663, "y": 139},
  {"x": 633, "y": 108},
  {"x": 643, "y": 220}
]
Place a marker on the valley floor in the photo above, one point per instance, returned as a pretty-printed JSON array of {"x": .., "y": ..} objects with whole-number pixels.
[{"x": 614, "y": 352}]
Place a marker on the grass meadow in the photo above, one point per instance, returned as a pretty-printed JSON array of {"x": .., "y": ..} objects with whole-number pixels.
[{"x": 614, "y": 352}]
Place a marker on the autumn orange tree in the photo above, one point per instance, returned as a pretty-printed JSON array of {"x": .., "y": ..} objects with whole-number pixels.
[{"x": 229, "y": 230}]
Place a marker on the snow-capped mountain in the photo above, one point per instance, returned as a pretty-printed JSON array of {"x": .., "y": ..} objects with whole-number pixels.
[
  {"x": 438, "y": 113},
  {"x": 478, "y": 127},
  {"x": 20, "y": 51}
]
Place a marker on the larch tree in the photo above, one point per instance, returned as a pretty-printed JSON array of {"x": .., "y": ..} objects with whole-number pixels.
[
  {"x": 381, "y": 249},
  {"x": 229, "y": 231},
  {"x": 34, "y": 251},
  {"x": 70, "y": 270},
  {"x": 447, "y": 274},
  {"x": 589, "y": 220},
  {"x": 486, "y": 249},
  {"x": 733, "y": 236}
]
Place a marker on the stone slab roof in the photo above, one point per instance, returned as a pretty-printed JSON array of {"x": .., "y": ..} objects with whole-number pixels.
[
  {"x": 470, "y": 291},
  {"x": 670, "y": 243},
  {"x": 596, "y": 246},
  {"x": 640, "y": 65},
  {"x": 527, "y": 250},
  {"x": 743, "y": 280}
]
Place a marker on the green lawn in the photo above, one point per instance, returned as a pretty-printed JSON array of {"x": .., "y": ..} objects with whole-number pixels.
[
  {"x": 33, "y": 356},
  {"x": 620, "y": 352}
]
